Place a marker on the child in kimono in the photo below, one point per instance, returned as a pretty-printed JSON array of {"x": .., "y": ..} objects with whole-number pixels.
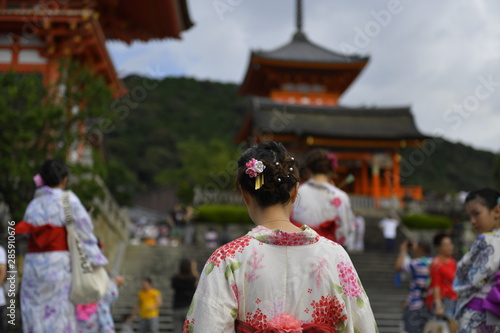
[{"x": 477, "y": 280}]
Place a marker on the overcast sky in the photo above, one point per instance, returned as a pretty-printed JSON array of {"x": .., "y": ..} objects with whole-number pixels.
[{"x": 442, "y": 58}]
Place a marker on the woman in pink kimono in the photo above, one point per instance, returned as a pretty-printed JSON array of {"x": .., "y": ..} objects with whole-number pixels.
[
  {"x": 278, "y": 277},
  {"x": 46, "y": 281},
  {"x": 323, "y": 206}
]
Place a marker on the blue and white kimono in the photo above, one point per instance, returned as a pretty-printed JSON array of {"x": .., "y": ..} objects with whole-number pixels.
[
  {"x": 46, "y": 280},
  {"x": 475, "y": 278},
  {"x": 101, "y": 321}
]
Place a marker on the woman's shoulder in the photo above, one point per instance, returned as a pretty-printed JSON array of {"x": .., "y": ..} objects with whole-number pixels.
[
  {"x": 331, "y": 247},
  {"x": 229, "y": 250}
]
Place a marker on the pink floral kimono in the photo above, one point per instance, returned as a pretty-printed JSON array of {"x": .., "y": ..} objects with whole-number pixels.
[{"x": 270, "y": 277}]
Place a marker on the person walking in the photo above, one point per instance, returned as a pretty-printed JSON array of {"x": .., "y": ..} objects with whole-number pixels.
[
  {"x": 477, "y": 280},
  {"x": 415, "y": 313},
  {"x": 359, "y": 231},
  {"x": 148, "y": 306},
  {"x": 184, "y": 284},
  {"x": 441, "y": 299},
  {"x": 389, "y": 226},
  {"x": 320, "y": 204},
  {"x": 46, "y": 280},
  {"x": 278, "y": 277}
]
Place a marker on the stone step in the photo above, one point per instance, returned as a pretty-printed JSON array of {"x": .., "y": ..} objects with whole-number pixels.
[{"x": 375, "y": 268}]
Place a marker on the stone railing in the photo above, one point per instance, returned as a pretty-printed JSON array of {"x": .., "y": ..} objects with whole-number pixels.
[
  {"x": 216, "y": 197},
  {"x": 111, "y": 223},
  {"x": 112, "y": 226}
]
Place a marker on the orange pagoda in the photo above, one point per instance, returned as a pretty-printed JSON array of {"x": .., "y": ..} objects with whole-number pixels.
[{"x": 294, "y": 93}]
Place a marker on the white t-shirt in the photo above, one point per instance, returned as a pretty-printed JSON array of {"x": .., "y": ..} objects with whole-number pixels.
[
  {"x": 389, "y": 227},
  {"x": 3, "y": 261}
]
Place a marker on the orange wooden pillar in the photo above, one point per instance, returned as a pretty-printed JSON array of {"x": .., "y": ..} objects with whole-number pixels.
[
  {"x": 395, "y": 174},
  {"x": 376, "y": 184},
  {"x": 364, "y": 178}
]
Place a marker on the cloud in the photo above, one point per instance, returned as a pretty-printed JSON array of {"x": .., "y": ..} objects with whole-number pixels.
[{"x": 427, "y": 54}]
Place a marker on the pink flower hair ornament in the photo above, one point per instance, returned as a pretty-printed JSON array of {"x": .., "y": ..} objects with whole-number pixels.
[
  {"x": 333, "y": 159},
  {"x": 255, "y": 170},
  {"x": 286, "y": 323},
  {"x": 38, "y": 180}
]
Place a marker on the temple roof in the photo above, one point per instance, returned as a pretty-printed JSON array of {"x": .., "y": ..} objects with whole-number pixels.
[
  {"x": 300, "y": 61},
  {"x": 301, "y": 49},
  {"x": 126, "y": 20},
  {"x": 395, "y": 123},
  {"x": 130, "y": 20}
]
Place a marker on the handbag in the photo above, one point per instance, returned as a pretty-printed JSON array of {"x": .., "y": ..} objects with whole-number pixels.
[
  {"x": 437, "y": 325},
  {"x": 88, "y": 284}
]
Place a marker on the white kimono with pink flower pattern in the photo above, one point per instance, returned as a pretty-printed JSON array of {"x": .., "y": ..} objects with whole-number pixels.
[
  {"x": 268, "y": 273},
  {"x": 320, "y": 202}
]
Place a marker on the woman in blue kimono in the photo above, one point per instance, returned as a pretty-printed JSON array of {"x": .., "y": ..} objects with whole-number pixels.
[{"x": 46, "y": 281}]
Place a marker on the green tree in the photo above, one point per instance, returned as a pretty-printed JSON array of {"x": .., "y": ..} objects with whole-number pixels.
[
  {"x": 496, "y": 172},
  {"x": 40, "y": 122},
  {"x": 212, "y": 165}
]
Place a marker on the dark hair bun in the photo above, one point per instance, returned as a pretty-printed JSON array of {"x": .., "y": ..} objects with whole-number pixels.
[
  {"x": 318, "y": 161},
  {"x": 53, "y": 172},
  {"x": 281, "y": 173}
]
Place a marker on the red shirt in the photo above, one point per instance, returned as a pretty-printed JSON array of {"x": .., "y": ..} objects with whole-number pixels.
[{"x": 442, "y": 274}]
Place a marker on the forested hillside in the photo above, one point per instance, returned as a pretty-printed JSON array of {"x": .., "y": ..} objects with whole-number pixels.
[{"x": 180, "y": 131}]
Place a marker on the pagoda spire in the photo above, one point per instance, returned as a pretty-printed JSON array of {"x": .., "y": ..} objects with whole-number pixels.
[{"x": 299, "y": 16}]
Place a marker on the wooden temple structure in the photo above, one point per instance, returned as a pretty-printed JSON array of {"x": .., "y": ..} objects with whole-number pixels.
[
  {"x": 36, "y": 35},
  {"x": 294, "y": 92}
]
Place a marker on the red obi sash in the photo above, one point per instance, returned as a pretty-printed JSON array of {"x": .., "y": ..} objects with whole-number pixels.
[
  {"x": 44, "y": 238},
  {"x": 326, "y": 229},
  {"x": 242, "y": 327}
]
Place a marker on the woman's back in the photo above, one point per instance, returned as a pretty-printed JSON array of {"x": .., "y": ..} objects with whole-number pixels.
[
  {"x": 267, "y": 273},
  {"x": 46, "y": 207},
  {"x": 318, "y": 203}
]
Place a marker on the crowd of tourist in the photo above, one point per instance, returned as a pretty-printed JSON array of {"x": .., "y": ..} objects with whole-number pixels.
[
  {"x": 464, "y": 295},
  {"x": 291, "y": 273}
]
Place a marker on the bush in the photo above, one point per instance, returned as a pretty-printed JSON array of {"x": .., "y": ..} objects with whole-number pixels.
[
  {"x": 424, "y": 221},
  {"x": 222, "y": 214}
]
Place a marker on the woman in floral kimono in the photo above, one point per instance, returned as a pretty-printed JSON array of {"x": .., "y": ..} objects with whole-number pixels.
[
  {"x": 477, "y": 280},
  {"x": 279, "y": 277},
  {"x": 46, "y": 281},
  {"x": 323, "y": 206}
]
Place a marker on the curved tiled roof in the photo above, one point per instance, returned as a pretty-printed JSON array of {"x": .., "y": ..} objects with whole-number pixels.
[
  {"x": 334, "y": 122},
  {"x": 301, "y": 49}
]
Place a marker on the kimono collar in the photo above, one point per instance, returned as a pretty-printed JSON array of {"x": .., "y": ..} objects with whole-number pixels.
[
  {"x": 45, "y": 190},
  {"x": 277, "y": 237}
]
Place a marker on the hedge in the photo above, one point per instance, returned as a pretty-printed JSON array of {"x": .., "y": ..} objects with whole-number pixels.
[
  {"x": 222, "y": 214},
  {"x": 425, "y": 221}
]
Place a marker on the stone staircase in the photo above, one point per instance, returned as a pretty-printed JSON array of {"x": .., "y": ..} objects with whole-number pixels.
[
  {"x": 160, "y": 263},
  {"x": 374, "y": 266}
]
